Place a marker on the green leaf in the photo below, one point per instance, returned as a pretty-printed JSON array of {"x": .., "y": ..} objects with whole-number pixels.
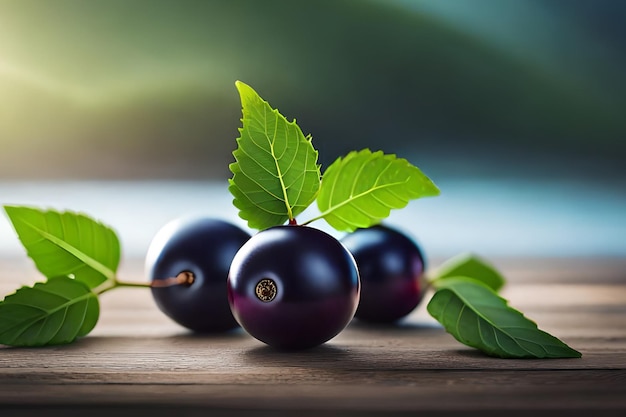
[
  {"x": 67, "y": 244},
  {"x": 362, "y": 188},
  {"x": 275, "y": 176},
  {"x": 51, "y": 313},
  {"x": 471, "y": 266},
  {"x": 476, "y": 316}
]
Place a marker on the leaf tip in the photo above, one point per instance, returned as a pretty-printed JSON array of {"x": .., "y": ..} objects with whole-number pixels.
[
  {"x": 9, "y": 209},
  {"x": 246, "y": 93},
  {"x": 575, "y": 353}
]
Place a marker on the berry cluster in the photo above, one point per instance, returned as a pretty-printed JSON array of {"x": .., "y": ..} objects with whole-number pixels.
[{"x": 289, "y": 286}]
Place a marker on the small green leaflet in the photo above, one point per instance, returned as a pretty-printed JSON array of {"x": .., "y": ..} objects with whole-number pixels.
[
  {"x": 476, "y": 316},
  {"x": 360, "y": 189},
  {"x": 67, "y": 244},
  {"x": 51, "y": 313},
  {"x": 276, "y": 175},
  {"x": 471, "y": 266}
]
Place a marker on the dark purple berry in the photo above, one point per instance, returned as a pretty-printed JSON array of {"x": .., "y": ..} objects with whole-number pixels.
[
  {"x": 391, "y": 266},
  {"x": 293, "y": 287},
  {"x": 187, "y": 263}
]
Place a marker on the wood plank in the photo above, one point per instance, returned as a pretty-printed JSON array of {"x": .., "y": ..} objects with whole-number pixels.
[{"x": 137, "y": 360}]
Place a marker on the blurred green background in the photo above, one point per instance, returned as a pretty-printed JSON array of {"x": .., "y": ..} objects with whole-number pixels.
[
  {"x": 127, "y": 110},
  {"x": 142, "y": 89}
]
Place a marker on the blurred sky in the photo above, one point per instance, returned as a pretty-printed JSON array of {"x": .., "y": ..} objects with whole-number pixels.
[
  {"x": 516, "y": 108},
  {"x": 145, "y": 88}
]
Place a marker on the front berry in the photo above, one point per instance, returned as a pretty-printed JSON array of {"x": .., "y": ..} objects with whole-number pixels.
[{"x": 293, "y": 287}]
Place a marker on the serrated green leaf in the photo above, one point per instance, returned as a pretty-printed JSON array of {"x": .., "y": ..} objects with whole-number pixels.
[
  {"x": 67, "y": 244},
  {"x": 471, "y": 266},
  {"x": 478, "y": 317},
  {"x": 51, "y": 313},
  {"x": 275, "y": 176},
  {"x": 362, "y": 188}
]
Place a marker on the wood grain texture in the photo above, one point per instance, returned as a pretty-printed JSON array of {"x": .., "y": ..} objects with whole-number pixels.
[{"x": 136, "y": 360}]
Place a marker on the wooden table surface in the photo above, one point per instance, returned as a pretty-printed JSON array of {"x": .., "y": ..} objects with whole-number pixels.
[{"x": 138, "y": 361}]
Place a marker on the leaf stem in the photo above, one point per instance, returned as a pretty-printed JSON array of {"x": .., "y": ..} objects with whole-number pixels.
[
  {"x": 133, "y": 284},
  {"x": 184, "y": 278},
  {"x": 321, "y": 216},
  {"x": 429, "y": 283},
  {"x": 115, "y": 283},
  {"x": 104, "y": 287}
]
